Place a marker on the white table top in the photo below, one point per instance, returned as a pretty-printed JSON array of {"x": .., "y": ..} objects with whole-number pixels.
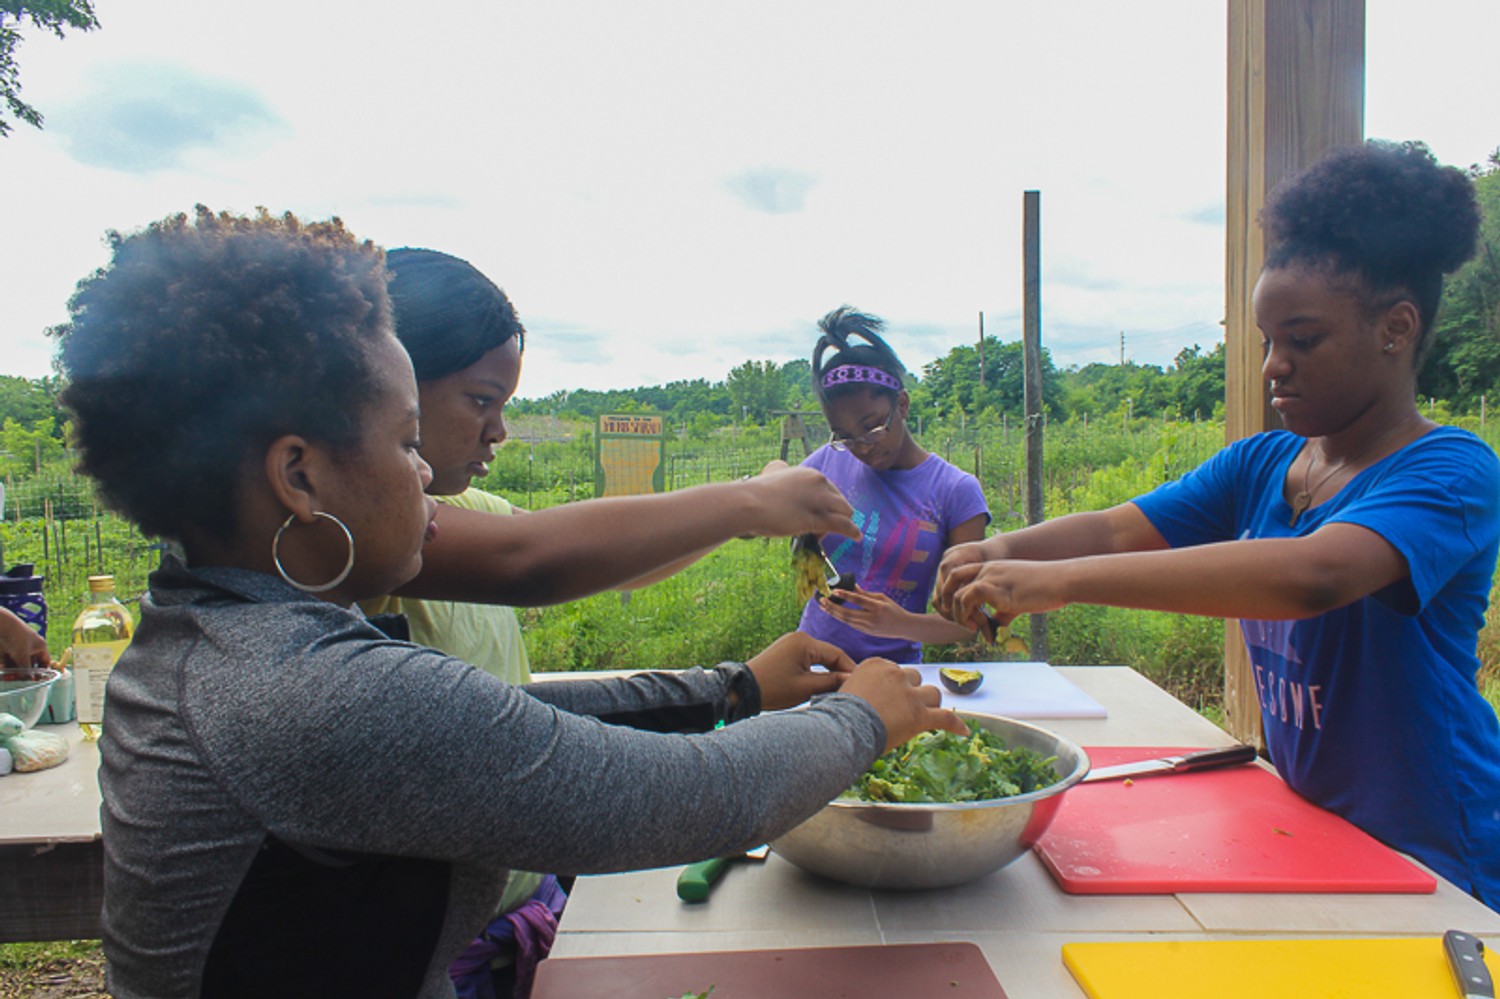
[
  {"x": 1017, "y": 916},
  {"x": 58, "y": 805}
]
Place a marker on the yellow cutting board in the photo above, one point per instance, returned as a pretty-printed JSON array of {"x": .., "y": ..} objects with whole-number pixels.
[{"x": 1266, "y": 969}]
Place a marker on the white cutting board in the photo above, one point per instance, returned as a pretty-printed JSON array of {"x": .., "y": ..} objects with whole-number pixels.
[{"x": 1018, "y": 690}]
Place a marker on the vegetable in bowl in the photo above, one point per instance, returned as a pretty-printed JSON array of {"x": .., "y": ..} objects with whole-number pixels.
[
  {"x": 944, "y": 767},
  {"x": 909, "y": 845}
]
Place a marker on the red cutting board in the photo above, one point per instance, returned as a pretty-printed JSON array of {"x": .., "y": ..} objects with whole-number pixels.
[
  {"x": 892, "y": 971},
  {"x": 1240, "y": 829}
]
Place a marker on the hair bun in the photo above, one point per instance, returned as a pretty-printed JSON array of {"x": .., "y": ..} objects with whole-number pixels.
[
  {"x": 838, "y": 327},
  {"x": 1388, "y": 211}
]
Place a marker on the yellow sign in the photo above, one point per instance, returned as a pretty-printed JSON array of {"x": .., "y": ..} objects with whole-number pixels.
[{"x": 630, "y": 453}]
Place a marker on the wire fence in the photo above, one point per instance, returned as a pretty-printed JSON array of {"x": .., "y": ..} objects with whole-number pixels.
[
  {"x": 540, "y": 473},
  {"x": 54, "y": 521}
]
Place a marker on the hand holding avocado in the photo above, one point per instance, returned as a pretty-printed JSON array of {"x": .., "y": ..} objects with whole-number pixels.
[
  {"x": 870, "y": 612},
  {"x": 785, "y": 675},
  {"x": 794, "y": 501}
]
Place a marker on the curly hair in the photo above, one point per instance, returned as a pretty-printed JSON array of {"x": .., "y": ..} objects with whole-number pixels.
[
  {"x": 1386, "y": 215},
  {"x": 838, "y": 326},
  {"x": 448, "y": 314},
  {"x": 204, "y": 340}
]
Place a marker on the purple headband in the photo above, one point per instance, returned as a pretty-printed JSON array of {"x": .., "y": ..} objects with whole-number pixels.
[{"x": 853, "y": 374}]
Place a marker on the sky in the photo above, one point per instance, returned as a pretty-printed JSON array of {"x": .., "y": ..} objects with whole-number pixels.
[{"x": 666, "y": 189}]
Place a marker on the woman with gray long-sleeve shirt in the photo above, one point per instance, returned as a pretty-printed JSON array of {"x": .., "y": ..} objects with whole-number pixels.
[
  {"x": 295, "y": 804},
  {"x": 291, "y": 735}
]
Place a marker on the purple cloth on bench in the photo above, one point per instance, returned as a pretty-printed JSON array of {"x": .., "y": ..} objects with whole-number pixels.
[{"x": 525, "y": 933}]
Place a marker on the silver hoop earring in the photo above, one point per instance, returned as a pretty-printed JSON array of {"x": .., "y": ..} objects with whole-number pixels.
[{"x": 305, "y": 588}]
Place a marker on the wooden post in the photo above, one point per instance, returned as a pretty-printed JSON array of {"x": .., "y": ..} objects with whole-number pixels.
[
  {"x": 1296, "y": 90},
  {"x": 1032, "y": 349},
  {"x": 981, "y": 350}
]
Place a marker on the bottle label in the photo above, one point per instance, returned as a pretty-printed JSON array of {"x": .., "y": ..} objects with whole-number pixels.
[{"x": 92, "y": 664}]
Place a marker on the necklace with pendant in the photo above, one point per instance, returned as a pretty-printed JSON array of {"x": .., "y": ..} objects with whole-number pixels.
[{"x": 1304, "y": 499}]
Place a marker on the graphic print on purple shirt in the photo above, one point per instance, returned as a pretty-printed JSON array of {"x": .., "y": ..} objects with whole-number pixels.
[
  {"x": 886, "y": 556},
  {"x": 905, "y": 516}
]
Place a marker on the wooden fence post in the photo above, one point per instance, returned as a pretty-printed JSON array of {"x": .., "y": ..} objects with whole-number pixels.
[
  {"x": 1031, "y": 334},
  {"x": 1296, "y": 90}
]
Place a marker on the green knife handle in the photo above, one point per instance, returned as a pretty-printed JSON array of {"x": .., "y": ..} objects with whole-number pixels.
[{"x": 694, "y": 882}]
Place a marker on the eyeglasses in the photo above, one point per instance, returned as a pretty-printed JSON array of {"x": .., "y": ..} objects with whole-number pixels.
[{"x": 866, "y": 439}]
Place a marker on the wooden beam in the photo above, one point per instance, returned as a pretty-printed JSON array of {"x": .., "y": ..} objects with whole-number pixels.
[{"x": 1296, "y": 90}]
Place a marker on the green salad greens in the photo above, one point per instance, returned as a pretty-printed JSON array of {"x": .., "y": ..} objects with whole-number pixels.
[{"x": 943, "y": 767}]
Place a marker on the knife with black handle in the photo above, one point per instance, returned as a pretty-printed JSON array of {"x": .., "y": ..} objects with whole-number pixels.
[
  {"x": 1207, "y": 759},
  {"x": 1466, "y": 957}
]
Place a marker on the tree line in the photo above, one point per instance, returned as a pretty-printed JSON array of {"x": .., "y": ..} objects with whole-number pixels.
[{"x": 954, "y": 387}]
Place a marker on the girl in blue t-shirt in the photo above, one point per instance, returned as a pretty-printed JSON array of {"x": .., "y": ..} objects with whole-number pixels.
[
  {"x": 911, "y": 505},
  {"x": 1357, "y": 547}
]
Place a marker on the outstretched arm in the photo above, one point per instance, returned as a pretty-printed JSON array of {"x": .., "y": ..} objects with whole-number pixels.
[
  {"x": 1121, "y": 528},
  {"x": 672, "y": 568},
  {"x": 1274, "y": 578},
  {"x": 570, "y": 551}
]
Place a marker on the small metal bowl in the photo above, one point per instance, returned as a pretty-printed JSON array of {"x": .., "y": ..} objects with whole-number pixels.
[
  {"x": 915, "y": 846},
  {"x": 23, "y": 692}
]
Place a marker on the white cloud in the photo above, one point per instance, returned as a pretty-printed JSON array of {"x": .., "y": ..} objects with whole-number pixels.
[
  {"x": 666, "y": 188},
  {"x": 141, "y": 118}
]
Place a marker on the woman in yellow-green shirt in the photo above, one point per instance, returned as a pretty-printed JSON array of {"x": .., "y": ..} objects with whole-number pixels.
[{"x": 486, "y": 635}]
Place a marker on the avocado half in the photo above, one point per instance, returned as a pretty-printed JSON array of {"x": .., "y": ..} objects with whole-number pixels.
[{"x": 961, "y": 681}]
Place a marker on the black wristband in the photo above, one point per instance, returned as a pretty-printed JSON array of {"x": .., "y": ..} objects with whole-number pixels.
[{"x": 742, "y": 688}]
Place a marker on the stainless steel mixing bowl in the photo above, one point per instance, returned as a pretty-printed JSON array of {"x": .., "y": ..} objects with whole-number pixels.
[
  {"x": 898, "y": 845},
  {"x": 24, "y": 691}
]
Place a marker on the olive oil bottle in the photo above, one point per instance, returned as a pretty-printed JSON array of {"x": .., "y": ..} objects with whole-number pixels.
[{"x": 100, "y": 633}]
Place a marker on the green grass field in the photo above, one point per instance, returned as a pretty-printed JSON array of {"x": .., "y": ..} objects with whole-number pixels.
[{"x": 740, "y": 597}]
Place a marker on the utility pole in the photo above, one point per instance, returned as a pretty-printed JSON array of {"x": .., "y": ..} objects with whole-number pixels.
[
  {"x": 1122, "y": 348},
  {"x": 1031, "y": 297},
  {"x": 981, "y": 348}
]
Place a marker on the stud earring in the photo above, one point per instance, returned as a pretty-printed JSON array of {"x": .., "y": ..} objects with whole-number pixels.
[{"x": 1388, "y": 348}]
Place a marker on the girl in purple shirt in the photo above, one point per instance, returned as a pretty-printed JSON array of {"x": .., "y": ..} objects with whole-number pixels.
[{"x": 911, "y": 505}]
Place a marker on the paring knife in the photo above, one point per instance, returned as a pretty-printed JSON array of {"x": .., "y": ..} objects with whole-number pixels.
[
  {"x": 1000, "y": 636},
  {"x": 1207, "y": 759},
  {"x": 697, "y": 880},
  {"x": 1466, "y": 957}
]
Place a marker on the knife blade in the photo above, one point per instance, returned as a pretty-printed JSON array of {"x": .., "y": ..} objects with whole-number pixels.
[
  {"x": 1000, "y": 637},
  {"x": 1466, "y": 959},
  {"x": 1206, "y": 759}
]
